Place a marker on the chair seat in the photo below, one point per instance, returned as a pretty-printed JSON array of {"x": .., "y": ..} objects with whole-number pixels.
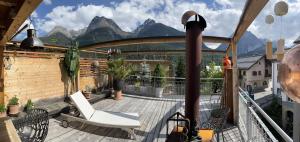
[
  {"x": 115, "y": 119},
  {"x": 206, "y": 135}
]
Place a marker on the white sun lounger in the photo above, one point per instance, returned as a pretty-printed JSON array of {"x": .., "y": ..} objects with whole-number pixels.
[{"x": 125, "y": 121}]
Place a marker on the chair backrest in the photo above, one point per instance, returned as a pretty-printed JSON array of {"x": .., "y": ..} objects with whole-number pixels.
[{"x": 83, "y": 105}]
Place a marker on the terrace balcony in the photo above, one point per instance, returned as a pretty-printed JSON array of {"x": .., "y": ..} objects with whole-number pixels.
[{"x": 154, "y": 112}]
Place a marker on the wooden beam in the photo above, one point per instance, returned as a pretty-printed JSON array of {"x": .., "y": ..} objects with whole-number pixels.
[
  {"x": 8, "y": 4},
  {"x": 55, "y": 47},
  {"x": 151, "y": 40},
  {"x": 25, "y": 10},
  {"x": 235, "y": 83},
  {"x": 251, "y": 10}
]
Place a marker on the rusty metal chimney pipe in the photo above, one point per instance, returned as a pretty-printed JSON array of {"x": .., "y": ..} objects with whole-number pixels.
[{"x": 193, "y": 61}]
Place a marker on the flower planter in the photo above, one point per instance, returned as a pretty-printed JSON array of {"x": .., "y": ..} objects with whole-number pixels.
[
  {"x": 13, "y": 109},
  {"x": 3, "y": 114},
  {"x": 118, "y": 86},
  {"x": 158, "y": 92},
  {"x": 118, "y": 95},
  {"x": 86, "y": 94}
]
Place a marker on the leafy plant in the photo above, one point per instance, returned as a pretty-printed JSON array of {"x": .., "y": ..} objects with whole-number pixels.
[
  {"x": 88, "y": 88},
  {"x": 13, "y": 101},
  {"x": 180, "y": 68},
  {"x": 159, "y": 76},
  {"x": 145, "y": 73},
  {"x": 72, "y": 60},
  {"x": 118, "y": 69},
  {"x": 29, "y": 105},
  {"x": 71, "y": 63},
  {"x": 2, "y": 108}
]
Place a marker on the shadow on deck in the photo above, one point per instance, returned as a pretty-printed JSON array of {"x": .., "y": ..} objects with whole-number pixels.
[{"x": 153, "y": 115}]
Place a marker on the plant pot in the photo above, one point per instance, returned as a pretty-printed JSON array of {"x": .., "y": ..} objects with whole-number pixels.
[
  {"x": 118, "y": 95},
  {"x": 86, "y": 94},
  {"x": 13, "y": 109},
  {"x": 3, "y": 114},
  {"x": 118, "y": 85},
  {"x": 158, "y": 92}
]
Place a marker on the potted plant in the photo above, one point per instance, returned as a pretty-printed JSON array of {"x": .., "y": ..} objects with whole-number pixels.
[
  {"x": 87, "y": 92},
  {"x": 29, "y": 106},
  {"x": 119, "y": 71},
  {"x": 158, "y": 80},
  {"x": 13, "y": 106},
  {"x": 2, "y": 110}
]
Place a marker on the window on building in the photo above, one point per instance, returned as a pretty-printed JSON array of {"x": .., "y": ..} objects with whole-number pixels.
[
  {"x": 255, "y": 84},
  {"x": 289, "y": 99},
  {"x": 265, "y": 83},
  {"x": 259, "y": 63},
  {"x": 244, "y": 73},
  {"x": 254, "y": 73},
  {"x": 259, "y": 72}
]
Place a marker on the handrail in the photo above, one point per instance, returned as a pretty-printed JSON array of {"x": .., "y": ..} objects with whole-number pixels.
[
  {"x": 266, "y": 116},
  {"x": 180, "y": 78}
]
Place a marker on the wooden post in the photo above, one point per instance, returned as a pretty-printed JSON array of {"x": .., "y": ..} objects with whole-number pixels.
[
  {"x": 228, "y": 84},
  {"x": 235, "y": 89},
  {"x": 2, "y": 94}
]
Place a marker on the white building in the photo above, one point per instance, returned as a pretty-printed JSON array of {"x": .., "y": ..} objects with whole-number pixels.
[
  {"x": 254, "y": 72},
  {"x": 290, "y": 109}
]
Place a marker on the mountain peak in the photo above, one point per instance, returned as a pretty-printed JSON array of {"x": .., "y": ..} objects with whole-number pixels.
[
  {"x": 60, "y": 29},
  {"x": 102, "y": 22},
  {"x": 149, "y": 22}
]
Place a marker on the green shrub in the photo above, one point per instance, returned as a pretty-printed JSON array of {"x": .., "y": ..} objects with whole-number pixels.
[
  {"x": 2, "y": 108},
  {"x": 13, "y": 101},
  {"x": 29, "y": 105},
  {"x": 159, "y": 74}
]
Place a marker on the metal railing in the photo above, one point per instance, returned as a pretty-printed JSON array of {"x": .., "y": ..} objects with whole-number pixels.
[
  {"x": 172, "y": 88},
  {"x": 250, "y": 124}
]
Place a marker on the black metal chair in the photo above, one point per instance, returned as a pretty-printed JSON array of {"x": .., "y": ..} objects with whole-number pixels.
[
  {"x": 33, "y": 127},
  {"x": 217, "y": 121}
]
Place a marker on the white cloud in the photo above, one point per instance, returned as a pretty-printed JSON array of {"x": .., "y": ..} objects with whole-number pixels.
[
  {"x": 48, "y": 2},
  {"x": 221, "y": 20}
]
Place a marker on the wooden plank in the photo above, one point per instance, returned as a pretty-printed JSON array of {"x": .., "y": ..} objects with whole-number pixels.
[
  {"x": 150, "y": 40},
  {"x": 8, "y": 132}
]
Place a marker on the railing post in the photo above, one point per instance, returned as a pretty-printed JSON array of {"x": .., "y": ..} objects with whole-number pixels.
[
  {"x": 235, "y": 83},
  {"x": 228, "y": 93},
  {"x": 249, "y": 123}
]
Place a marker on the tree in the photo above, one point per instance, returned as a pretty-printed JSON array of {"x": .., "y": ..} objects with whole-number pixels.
[{"x": 180, "y": 68}]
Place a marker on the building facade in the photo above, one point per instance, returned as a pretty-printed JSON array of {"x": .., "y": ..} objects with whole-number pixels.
[{"x": 254, "y": 73}]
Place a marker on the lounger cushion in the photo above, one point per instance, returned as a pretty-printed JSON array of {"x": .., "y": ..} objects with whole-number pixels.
[
  {"x": 115, "y": 119},
  {"x": 83, "y": 105}
]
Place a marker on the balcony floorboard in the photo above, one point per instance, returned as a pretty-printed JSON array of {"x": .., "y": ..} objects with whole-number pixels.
[{"x": 153, "y": 115}]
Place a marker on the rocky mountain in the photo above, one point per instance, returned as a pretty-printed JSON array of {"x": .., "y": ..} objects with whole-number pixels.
[
  {"x": 103, "y": 29},
  {"x": 248, "y": 42}
]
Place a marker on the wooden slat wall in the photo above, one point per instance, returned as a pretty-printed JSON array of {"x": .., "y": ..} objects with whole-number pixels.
[
  {"x": 92, "y": 76},
  {"x": 35, "y": 78}
]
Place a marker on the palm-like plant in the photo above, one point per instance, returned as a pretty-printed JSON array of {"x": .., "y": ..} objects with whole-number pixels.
[{"x": 118, "y": 69}]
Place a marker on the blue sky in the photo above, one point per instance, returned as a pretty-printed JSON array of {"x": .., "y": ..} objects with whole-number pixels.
[{"x": 222, "y": 16}]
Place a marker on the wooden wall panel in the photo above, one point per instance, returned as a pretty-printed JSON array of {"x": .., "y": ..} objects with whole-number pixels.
[
  {"x": 92, "y": 76},
  {"x": 35, "y": 78}
]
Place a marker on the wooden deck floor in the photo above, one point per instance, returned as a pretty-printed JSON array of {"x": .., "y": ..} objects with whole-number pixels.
[{"x": 153, "y": 114}]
